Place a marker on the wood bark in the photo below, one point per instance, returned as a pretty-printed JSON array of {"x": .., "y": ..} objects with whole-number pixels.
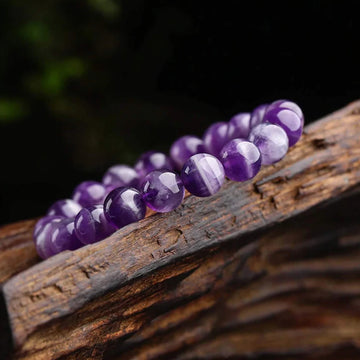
[{"x": 266, "y": 269}]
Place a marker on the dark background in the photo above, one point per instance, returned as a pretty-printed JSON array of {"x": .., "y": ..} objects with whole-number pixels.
[{"x": 87, "y": 84}]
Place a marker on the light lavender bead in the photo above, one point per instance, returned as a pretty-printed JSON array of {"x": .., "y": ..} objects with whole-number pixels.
[
  {"x": 67, "y": 208},
  {"x": 271, "y": 140},
  {"x": 89, "y": 193},
  {"x": 42, "y": 235},
  {"x": 120, "y": 175}
]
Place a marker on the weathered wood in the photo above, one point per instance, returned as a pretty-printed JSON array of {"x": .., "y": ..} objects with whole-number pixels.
[
  {"x": 17, "y": 251},
  {"x": 292, "y": 291},
  {"x": 164, "y": 279}
]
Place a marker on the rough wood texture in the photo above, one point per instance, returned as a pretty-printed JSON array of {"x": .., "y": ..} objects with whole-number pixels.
[
  {"x": 17, "y": 251},
  {"x": 198, "y": 283}
]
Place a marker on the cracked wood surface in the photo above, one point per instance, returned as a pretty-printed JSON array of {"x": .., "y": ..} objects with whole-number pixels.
[{"x": 158, "y": 275}]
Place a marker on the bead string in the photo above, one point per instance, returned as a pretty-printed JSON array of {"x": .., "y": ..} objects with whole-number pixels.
[{"x": 235, "y": 149}]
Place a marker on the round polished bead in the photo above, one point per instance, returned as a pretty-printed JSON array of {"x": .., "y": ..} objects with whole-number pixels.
[
  {"x": 42, "y": 235},
  {"x": 152, "y": 160},
  {"x": 272, "y": 142},
  {"x": 123, "y": 206},
  {"x": 43, "y": 221},
  {"x": 162, "y": 190},
  {"x": 89, "y": 193},
  {"x": 216, "y": 136},
  {"x": 257, "y": 115},
  {"x": 63, "y": 236},
  {"x": 287, "y": 104},
  {"x": 185, "y": 147},
  {"x": 92, "y": 226},
  {"x": 241, "y": 159},
  {"x": 287, "y": 120},
  {"x": 67, "y": 208},
  {"x": 241, "y": 126},
  {"x": 203, "y": 175},
  {"x": 121, "y": 175}
]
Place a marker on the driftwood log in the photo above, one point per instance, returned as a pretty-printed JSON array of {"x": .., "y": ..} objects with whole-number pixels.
[{"x": 267, "y": 269}]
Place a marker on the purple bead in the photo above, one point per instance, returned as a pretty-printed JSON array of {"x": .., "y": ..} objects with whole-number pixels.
[
  {"x": 241, "y": 126},
  {"x": 162, "y": 190},
  {"x": 121, "y": 175},
  {"x": 241, "y": 160},
  {"x": 123, "y": 206},
  {"x": 67, "y": 208},
  {"x": 287, "y": 104},
  {"x": 287, "y": 120},
  {"x": 42, "y": 235},
  {"x": 89, "y": 193},
  {"x": 257, "y": 115},
  {"x": 110, "y": 188},
  {"x": 63, "y": 236},
  {"x": 185, "y": 147},
  {"x": 92, "y": 226},
  {"x": 43, "y": 221},
  {"x": 203, "y": 175},
  {"x": 152, "y": 160},
  {"x": 272, "y": 142},
  {"x": 216, "y": 136}
]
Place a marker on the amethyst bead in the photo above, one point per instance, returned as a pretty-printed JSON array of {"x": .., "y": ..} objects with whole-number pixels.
[
  {"x": 162, "y": 190},
  {"x": 216, "y": 136},
  {"x": 121, "y": 175},
  {"x": 241, "y": 160},
  {"x": 150, "y": 161},
  {"x": 123, "y": 206},
  {"x": 42, "y": 235},
  {"x": 203, "y": 175},
  {"x": 92, "y": 226},
  {"x": 43, "y": 222},
  {"x": 63, "y": 236},
  {"x": 257, "y": 115},
  {"x": 241, "y": 126},
  {"x": 67, "y": 208},
  {"x": 109, "y": 188},
  {"x": 287, "y": 120},
  {"x": 272, "y": 142},
  {"x": 287, "y": 104},
  {"x": 185, "y": 147},
  {"x": 89, "y": 193}
]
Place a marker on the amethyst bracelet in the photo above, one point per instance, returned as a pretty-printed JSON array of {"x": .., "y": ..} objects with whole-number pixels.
[{"x": 234, "y": 149}]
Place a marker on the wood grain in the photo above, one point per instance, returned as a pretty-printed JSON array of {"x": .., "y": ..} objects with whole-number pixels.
[
  {"x": 17, "y": 251},
  {"x": 204, "y": 275}
]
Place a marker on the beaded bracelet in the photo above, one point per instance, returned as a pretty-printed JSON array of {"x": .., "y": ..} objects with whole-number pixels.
[{"x": 235, "y": 149}]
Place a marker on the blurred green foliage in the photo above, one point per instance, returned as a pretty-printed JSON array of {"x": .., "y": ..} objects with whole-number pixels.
[
  {"x": 11, "y": 110},
  {"x": 108, "y": 8},
  {"x": 94, "y": 69},
  {"x": 55, "y": 76}
]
